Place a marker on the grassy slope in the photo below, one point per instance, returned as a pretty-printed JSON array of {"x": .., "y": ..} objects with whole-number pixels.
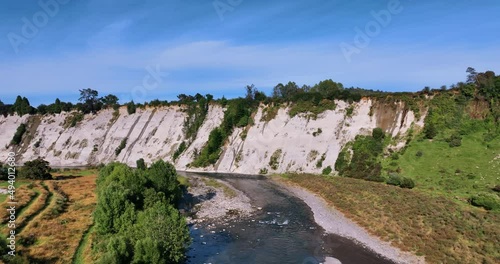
[
  {"x": 440, "y": 228},
  {"x": 454, "y": 172}
]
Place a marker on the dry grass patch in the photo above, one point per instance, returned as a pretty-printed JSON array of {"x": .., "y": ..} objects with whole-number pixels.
[
  {"x": 442, "y": 230},
  {"x": 23, "y": 196},
  {"x": 58, "y": 230},
  {"x": 34, "y": 207}
]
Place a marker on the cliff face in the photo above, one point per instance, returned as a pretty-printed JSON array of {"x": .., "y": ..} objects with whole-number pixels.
[{"x": 278, "y": 145}]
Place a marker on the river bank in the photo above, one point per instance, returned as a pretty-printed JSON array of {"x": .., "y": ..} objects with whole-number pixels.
[
  {"x": 252, "y": 219},
  {"x": 333, "y": 221}
]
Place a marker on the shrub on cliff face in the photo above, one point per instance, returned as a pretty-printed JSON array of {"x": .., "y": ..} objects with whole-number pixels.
[
  {"x": 364, "y": 163},
  {"x": 274, "y": 160},
  {"x": 18, "y": 136},
  {"x": 122, "y": 145}
]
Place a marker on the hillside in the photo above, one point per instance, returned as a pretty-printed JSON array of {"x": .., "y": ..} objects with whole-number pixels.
[{"x": 154, "y": 133}]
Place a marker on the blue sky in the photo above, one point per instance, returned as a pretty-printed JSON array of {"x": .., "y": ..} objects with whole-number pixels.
[{"x": 220, "y": 46}]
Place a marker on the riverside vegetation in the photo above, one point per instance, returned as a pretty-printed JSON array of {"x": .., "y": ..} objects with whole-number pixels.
[
  {"x": 123, "y": 215},
  {"x": 452, "y": 212},
  {"x": 437, "y": 195}
]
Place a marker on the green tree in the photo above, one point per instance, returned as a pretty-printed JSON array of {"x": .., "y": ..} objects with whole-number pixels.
[
  {"x": 147, "y": 250},
  {"x": 141, "y": 165},
  {"x": 110, "y": 100},
  {"x": 90, "y": 101},
  {"x": 22, "y": 106},
  {"x": 114, "y": 212},
  {"x": 37, "y": 169},
  {"x": 164, "y": 229},
  {"x": 430, "y": 130},
  {"x": 131, "y": 108},
  {"x": 378, "y": 134},
  {"x": 163, "y": 178}
]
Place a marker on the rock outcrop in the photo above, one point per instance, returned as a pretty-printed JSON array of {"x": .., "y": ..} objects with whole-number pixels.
[{"x": 281, "y": 144}]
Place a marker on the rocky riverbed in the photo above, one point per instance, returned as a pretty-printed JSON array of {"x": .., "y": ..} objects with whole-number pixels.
[{"x": 212, "y": 200}]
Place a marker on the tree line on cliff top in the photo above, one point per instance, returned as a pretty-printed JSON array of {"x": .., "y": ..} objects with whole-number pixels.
[{"x": 90, "y": 101}]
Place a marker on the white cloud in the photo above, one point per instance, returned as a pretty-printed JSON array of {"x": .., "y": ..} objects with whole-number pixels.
[{"x": 118, "y": 69}]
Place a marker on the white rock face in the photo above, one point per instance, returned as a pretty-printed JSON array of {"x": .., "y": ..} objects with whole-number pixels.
[
  {"x": 155, "y": 133},
  {"x": 294, "y": 138}
]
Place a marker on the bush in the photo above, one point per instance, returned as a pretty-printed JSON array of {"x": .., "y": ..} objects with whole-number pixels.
[
  {"x": 182, "y": 147},
  {"x": 403, "y": 182},
  {"x": 37, "y": 169},
  {"x": 122, "y": 145},
  {"x": 263, "y": 171},
  {"x": 419, "y": 154},
  {"x": 455, "y": 140},
  {"x": 430, "y": 131},
  {"x": 319, "y": 163},
  {"x": 327, "y": 170},
  {"x": 73, "y": 119},
  {"x": 131, "y": 108},
  {"x": 16, "y": 140},
  {"x": 407, "y": 183},
  {"x": 488, "y": 201},
  {"x": 274, "y": 160},
  {"x": 141, "y": 165},
  {"x": 378, "y": 134},
  {"x": 394, "y": 179},
  {"x": 317, "y": 132}
]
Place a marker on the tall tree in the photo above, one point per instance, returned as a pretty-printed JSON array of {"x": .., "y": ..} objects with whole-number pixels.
[
  {"x": 90, "y": 100},
  {"x": 110, "y": 100}
]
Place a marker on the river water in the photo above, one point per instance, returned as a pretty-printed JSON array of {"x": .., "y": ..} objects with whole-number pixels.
[{"x": 284, "y": 231}]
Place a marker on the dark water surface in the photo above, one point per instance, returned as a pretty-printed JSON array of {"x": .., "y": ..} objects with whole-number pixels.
[{"x": 284, "y": 231}]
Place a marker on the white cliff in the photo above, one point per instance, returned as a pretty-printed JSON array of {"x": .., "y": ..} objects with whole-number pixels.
[{"x": 155, "y": 133}]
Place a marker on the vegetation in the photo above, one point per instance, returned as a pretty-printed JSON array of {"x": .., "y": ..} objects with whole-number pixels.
[
  {"x": 120, "y": 147},
  {"x": 135, "y": 218},
  {"x": 131, "y": 108},
  {"x": 141, "y": 165},
  {"x": 18, "y": 136},
  {"x": 327, "y": 171},
  {"x": 237, "y": 114},
  {"x": 228, "y": 192},
  {"x": 73, "y": 119},
  {"x": 196, "y": 111},
  {"x": 37, "y": 169},
  {"x": 454, "y": 233},
  {"x": 274, "y": 160},
  {"x": 365, "y": 161}
]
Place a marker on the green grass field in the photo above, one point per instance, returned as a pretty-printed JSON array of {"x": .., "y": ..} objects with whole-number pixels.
[{"x": 456, "y": 172}]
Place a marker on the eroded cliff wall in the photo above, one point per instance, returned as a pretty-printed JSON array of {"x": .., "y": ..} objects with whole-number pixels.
[{"x": 281, "y": 144}]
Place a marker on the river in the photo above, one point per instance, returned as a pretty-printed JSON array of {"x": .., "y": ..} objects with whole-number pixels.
[{"x": 283, "y": 231}]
